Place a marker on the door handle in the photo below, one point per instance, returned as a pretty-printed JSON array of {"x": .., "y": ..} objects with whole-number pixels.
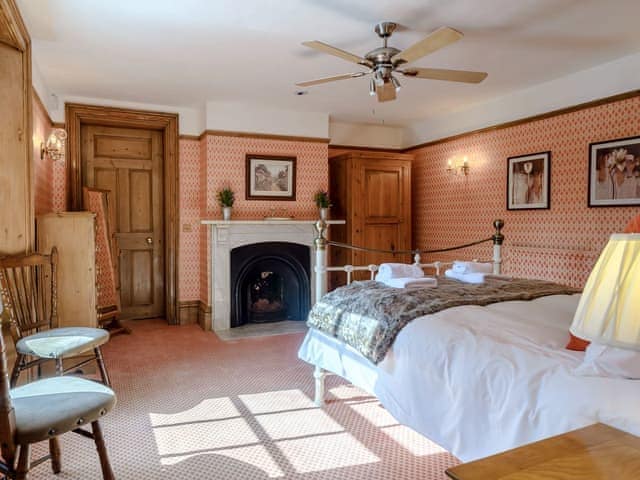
[{"x": 149, "y": 240}]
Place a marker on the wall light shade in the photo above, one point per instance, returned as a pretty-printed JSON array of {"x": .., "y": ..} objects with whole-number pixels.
[
  {"x": 54, "y": 146},
  {"x": 609, "y": 310},
  {"x": 453, "y": 166}
]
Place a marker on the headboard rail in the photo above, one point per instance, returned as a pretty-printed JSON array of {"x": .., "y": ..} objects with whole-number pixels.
[{"x": 321, "y": 243}]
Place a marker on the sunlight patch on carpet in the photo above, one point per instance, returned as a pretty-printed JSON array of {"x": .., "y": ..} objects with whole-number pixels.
[
  {"x": 271, "y": 402},
  {"x": 299, "y": 423},
  {"x": 256, "y": 455},
  {"x": 326, "y": 452},
  {"x": 374, "y": 413},
  {"x": 412, "y": 441},
  {"x": 281, "y": 426},
  {"x": 208, "y": 409},
  {"x": 194, "y": 437}
]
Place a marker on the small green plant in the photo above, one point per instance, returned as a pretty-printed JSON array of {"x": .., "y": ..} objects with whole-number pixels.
[
  {"x": 226, "y": 197},
  {"x": 322, "y": 199}
]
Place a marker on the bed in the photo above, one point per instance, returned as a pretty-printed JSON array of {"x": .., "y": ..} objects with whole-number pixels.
[{"x": 478, "y": 380}]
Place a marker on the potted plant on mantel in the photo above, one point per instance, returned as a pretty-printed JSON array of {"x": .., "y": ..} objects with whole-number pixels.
[
  {"x": 225, "y": 199},
  {"x": 323, "y": 203}
]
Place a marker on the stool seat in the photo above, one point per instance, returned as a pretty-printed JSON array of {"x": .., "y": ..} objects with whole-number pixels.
[
  {"x": 62, "y": 342},
  {"x": 49, "y": 407}
]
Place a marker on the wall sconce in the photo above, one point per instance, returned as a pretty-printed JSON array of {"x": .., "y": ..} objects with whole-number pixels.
[
  {"x": 453, "y": 166},
  {"x": 54, "y": 146}
]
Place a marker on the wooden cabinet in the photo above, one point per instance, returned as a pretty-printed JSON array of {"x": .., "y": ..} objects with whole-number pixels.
[
  {"x": 16, "y": 207},
  {"x": 74, "y": 234},
  {"x": 372, "y": 191}
]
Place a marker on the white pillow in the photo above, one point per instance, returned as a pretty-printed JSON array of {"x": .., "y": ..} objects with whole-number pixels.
[
  {"x": 459, "y": 266},
  {"x": 605, "y": 361}
]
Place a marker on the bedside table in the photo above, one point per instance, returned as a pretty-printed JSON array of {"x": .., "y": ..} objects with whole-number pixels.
[{"x": 593, "y": 453}]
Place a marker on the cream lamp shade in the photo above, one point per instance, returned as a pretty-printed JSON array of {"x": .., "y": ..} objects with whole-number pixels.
[{"x": 609, "y": 310}]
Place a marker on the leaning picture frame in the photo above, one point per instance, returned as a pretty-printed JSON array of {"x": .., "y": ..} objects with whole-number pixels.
[
  {"x": 270, "y": 177},
  {"x": 529, "y": 181},
  {"x": 614, "y": 173}
]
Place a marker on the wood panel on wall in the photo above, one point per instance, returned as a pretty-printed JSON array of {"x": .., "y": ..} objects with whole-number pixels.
[
  {"x": 16, "y": 198},
  {"x": 16, "y": 203},
  {"x": 560, "y": 244}
]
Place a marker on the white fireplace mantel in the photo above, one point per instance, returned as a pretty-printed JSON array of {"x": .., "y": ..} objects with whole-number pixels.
[{"x": 225, "y": 235}]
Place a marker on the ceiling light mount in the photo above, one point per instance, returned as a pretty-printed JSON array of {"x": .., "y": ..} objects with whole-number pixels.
[{"x": 385, "y": 29}]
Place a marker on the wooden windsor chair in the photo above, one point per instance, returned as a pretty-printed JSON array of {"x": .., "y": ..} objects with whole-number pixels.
[
  {"x": 28, "y": 287},
  {"x": 43, "y": 410}
]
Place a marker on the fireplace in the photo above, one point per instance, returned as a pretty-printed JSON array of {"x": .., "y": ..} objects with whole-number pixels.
[{"x": 269, "y": 282}]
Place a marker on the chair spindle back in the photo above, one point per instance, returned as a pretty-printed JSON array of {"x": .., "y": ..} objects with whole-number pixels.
[
  {"x": 28, "y": 287},
  {"x": 7, "y": 413}
]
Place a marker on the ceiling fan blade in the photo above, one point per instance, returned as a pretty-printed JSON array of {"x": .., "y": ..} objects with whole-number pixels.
[
  {"x": 443, "y": 74},
  {"x": 326, "y": 48},
  {"x": 432, "y": 42},
  {"x": 311, "y": 83},
  {"x": 386, "y": 92}
]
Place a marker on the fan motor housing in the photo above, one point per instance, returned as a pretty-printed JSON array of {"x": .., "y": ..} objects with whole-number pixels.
[{"x": 382, "y": 55}]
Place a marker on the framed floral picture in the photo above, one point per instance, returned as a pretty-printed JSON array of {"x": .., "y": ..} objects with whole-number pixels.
[
  {"x": 614, "y": 173},
  {"x": 270, "y": 178},
  {"x": 528, "y": 181}
]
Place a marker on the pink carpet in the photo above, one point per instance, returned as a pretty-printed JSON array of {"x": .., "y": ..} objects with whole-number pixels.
[{"x": 192, "y": 407}]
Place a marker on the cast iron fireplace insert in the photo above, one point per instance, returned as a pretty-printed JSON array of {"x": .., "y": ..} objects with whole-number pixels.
[{"x": 270, "y": 282}]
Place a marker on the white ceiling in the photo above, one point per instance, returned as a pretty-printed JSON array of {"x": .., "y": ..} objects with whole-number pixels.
[{"x": 188, "y": 52}]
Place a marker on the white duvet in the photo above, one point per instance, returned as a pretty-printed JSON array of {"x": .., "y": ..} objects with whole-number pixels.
[{"x": 480, "y": 380}]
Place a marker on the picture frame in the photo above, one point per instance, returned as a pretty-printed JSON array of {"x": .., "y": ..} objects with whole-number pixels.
[
  {"x": 529, "y": 181},
  {"x": 270, "y": 177},
  {"x": 614, "y": 173}
]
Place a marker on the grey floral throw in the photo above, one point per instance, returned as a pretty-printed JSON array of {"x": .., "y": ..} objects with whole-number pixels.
[{"x": 380, "y": 312}]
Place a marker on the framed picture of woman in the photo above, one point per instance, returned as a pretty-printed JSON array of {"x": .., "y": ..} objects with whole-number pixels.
[
  {"x": 528, "y": 181},
  {"x": 614, "y": 173}
]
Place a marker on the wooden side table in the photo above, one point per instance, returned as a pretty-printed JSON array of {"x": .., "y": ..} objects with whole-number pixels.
[{"x": 593, "y": 453}]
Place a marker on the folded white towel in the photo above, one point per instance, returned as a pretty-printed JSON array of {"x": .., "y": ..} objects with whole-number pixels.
[
  {"x": 472, "y": 267},
  {"x": 398, "y": 270},
  {"x": 410, "y": 282},
  {"x": 465, "y": 277}
]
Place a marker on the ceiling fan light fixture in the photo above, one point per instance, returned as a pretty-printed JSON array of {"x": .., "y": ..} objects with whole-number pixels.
[
  {"x": 383, "y": 62},
  {"x": 396, "y": 83},
  {"x": 378, "y": 78}
]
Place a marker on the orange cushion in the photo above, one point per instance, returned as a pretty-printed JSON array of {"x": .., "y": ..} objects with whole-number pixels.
[
  {"x": 633, "y": 226},
  {"x": 576, "y": 343}
]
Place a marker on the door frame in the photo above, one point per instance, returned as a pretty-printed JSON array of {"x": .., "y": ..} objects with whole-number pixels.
[{"x": 77, "y": 115}]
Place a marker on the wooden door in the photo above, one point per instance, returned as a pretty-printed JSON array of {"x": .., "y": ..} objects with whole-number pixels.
[
  {"x": 382, "y": 209},
  {"x": 128, "y": 163}
]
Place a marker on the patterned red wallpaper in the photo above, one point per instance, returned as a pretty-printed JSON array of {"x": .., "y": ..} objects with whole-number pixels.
[
  {"x": 226, "y": 167},
  {"x": 214, "y": 162},
  {"x": 42, "y": 168},
  {"x": 560, "y": 244},
  {"x": 189, "y": 252}
]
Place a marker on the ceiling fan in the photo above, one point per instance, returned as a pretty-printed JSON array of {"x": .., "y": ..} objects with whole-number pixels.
[{"x": 384, "y": 61}]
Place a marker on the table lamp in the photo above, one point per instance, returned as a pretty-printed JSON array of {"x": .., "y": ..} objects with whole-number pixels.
[{"x": 609, "y": 309}]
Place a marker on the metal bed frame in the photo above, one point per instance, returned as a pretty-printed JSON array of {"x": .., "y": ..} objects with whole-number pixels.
[{"x": 322, "y": 269}]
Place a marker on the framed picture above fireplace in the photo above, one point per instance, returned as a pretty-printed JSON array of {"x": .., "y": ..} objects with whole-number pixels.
[{"x": 270, "y": 178}]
